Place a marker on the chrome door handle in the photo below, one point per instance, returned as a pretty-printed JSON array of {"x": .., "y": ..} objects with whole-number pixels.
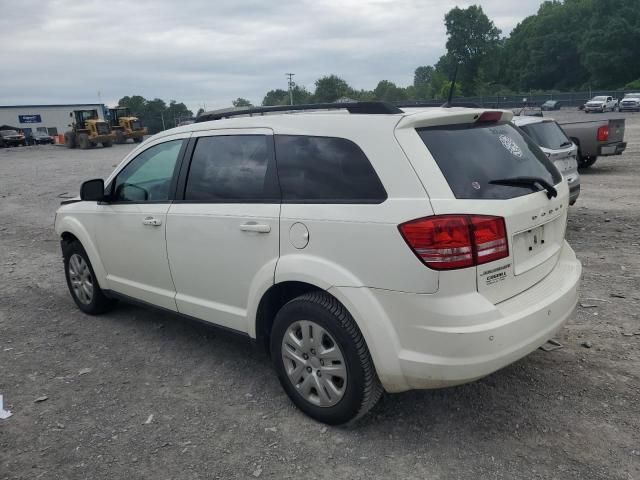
[
  {"x": 156, "y": 222},
  {"x": 255, "y": 227}
]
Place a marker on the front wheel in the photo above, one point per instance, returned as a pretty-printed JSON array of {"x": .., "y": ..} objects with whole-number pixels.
[
  {"x": 82, "y": 282},
  {"x": 322, "y": 360}
]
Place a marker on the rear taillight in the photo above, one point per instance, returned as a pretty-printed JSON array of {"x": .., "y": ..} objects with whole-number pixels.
[
  {"x": 446, "y": 242},
  {"x": 603, "y": 133}
]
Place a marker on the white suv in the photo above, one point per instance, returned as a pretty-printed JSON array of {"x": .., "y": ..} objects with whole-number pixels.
[{"x": 365, "y": 246}]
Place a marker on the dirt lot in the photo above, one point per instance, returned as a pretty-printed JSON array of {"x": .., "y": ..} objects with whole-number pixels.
[{"x": 218, "y": 410}]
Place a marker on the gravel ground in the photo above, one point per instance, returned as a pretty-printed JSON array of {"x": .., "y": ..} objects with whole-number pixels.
[{"x": 142, "y": 394}]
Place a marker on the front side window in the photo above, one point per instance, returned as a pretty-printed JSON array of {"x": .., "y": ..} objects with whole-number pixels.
[
  {"x": 147, "y": 178},
  {"x": 232, "y": 168},
  {"x": 325, "y": 170}
]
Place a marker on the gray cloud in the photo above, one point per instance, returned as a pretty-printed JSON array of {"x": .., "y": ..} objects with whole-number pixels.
[{"x": 210, "y": 52}]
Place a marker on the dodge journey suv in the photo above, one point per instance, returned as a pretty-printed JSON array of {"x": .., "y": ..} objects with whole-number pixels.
[{"x": 368, "y": 248}]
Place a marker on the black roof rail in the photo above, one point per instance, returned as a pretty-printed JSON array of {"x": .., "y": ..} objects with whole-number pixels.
[
  {"x": 373, "y": 108},
  {"x": 436, "y": 104}
]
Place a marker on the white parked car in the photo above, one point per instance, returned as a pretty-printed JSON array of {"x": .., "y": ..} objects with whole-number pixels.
[
  {"x": 601, "y": 104},
  {"x": 556, "y": 146},
  {"x": 367, "y": 247},
  {"x": 630, "y": 102}
]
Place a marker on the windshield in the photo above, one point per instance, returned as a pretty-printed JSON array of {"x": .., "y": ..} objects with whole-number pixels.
[
  {"x": 8, "y": 132},
  {"x": 471, "y": 155},
  {"x": 632, "y": 95},
  {"x": 547, "y": 135},
  {"x": 599, "y": 99},
  {"x": 549, "y": 102}
]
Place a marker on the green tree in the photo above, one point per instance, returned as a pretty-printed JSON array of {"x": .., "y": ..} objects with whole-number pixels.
[
  {"x": 331, "y": 88},
  {"x": 387, "y": 91},
  {"x": 177, "y": 112},
  {"x": 422, "y": 82},
  {"x": 276, "y": 97},
  {"x": 611, "y": 45},
  {"x": 472, "y": 37},
  {"x": 136, "y": 104},
  {"x": 241, "y": 102},
  {"x": 200, "y": 112}
]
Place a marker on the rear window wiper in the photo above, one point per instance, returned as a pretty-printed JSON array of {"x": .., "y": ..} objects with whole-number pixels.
[{"x": 535, "y": 183}]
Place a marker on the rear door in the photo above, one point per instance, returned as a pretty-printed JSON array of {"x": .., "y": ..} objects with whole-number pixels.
[
  {"x": 222, "y": 231},
  {"x": 457, "y": 166}
]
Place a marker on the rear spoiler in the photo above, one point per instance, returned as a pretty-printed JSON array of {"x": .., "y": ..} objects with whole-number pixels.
[{"x": 452, "y": 116}]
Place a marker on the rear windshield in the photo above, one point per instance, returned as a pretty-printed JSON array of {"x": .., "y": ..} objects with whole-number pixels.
[
  {"x": 471, "y": 155},
  {"x": 547, "y": 134}
]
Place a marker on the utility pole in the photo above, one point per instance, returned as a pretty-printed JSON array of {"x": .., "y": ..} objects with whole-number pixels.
[{"x": 290, "y": 76}]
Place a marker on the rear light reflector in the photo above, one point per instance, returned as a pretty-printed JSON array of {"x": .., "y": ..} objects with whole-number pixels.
[
  {"x": 603, "y": 133},
  {"x": 447, "y": 242}
]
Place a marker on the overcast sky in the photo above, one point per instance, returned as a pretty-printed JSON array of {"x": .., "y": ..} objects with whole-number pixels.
[{"x": 213, "y": 51}]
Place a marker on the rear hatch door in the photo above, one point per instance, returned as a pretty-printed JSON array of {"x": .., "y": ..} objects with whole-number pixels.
[{"x": 466, "y": 158}]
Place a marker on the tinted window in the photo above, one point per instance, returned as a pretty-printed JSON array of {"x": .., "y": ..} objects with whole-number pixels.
[
  {"x": 472, "y": 155},
  {"x": 547, "y": 135},
  {"x": 231, "y": 168},
  {"x": 148, "y": 176},
  {"x": 325, "y": 169}
]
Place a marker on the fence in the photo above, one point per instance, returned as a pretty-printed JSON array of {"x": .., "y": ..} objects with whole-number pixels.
[{"x": 566, "y": 99}]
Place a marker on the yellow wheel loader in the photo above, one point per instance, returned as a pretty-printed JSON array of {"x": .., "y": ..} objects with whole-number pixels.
[
  {"x": 88, "y": 130},
  {"x": 126, "y": 126}
]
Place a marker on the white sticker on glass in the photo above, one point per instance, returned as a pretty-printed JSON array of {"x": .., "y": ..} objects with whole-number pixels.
[{"x": 511, "y": 146}]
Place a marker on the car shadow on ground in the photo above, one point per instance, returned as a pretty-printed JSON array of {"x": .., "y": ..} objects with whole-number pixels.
[{"x": 507, "y": 401}]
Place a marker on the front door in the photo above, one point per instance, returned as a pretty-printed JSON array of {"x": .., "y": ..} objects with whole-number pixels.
[
  {"x": 130, "y": 228},
  {"x": 223, "y": 235}
]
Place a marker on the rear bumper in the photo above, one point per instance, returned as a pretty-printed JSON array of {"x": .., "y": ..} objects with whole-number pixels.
[
  {"x": 614, "y": 149},
  {"x": 443, "y": 341}
]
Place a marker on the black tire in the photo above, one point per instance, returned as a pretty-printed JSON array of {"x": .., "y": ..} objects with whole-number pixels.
[
  {"x": 107, "y": 144},
  {"x": 99, "y": 302},
  {"x": 363, "y": 388},
  {"x": 586, "y": 162},
  {"x": 83, "y": 141},
  {"x": 70, "y": 140},
  {"x": 120, "y": 138},
  {"x": 137, "y": 139}
]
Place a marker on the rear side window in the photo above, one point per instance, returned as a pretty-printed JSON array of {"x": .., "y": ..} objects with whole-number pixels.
[
  {"x": 325, "y": 170},
  {"x": 233, "y": 168},
  {"x": 471, "y": 155},
  {"x": 547, "y": 135}
]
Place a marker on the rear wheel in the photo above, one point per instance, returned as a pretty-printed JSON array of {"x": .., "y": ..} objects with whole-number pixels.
[
  {"x": 83, "y": 140},
  {"x": 107, "y": 144},
  {"x": 586, "y": 162},
  {"x": 137, "y": 139},
  {"x": 322, "y": 360},
  {"x": 82, "y": 282},
  {"x": 120, "y": 138}
]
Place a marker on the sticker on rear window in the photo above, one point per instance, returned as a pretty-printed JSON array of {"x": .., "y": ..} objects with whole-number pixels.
[{"x": 511, "y": 146}]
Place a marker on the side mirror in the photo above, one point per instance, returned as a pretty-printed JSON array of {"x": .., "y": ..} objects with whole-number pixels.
[{"x": 92, "y": 190}]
